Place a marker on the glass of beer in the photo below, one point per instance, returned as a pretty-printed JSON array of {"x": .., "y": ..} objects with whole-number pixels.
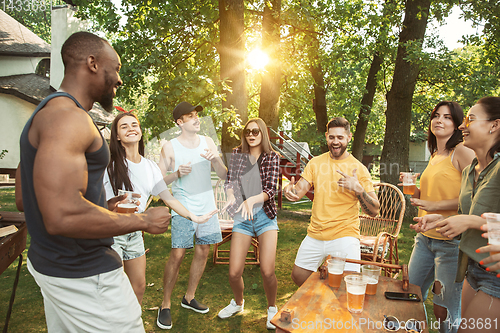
[
  {"x": 126, "y": 208},
  {"x": 372, "y": 274},
  {"x": 129, "y": 204},
  {"x": 356, "y": 288},
  {"x": 409, "y": 185},
  {"x": 336, "y": 265},
  {"x": 493, "y": 221}
]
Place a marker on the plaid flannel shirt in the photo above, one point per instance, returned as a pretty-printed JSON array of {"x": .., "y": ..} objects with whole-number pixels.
[{"x": 269, "y": 173}]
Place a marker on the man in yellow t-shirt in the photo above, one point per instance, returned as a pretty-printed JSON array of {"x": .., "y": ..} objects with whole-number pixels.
[{"x": 341, "y": 183}]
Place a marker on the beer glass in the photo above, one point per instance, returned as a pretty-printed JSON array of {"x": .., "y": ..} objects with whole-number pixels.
[
  {"x": 129, "y": 204},
  {"x": 493, "y": 221},
  {"x": 372, "y": 274},
  {"x": 409, "y": 185},
  {"x": 336, "y": 265},
  {"x": 356, "y": 288}
]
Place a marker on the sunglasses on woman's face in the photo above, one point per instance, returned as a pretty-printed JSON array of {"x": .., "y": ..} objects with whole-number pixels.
[
  {"x": 253, "y": 131},
  {"x": 468, "y": 121}
]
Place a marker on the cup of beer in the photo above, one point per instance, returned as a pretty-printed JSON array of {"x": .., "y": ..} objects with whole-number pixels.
[
  {"x": 356, "y": 287},
  {"x": 336, "y": 265},
  {"x": 128, "y": 208},
  {"x": 129, "y": 204},
  {"x": 493, "y": 222},
  {"x": 409, "y": 185},
  {"x": 372, "y": 274}
]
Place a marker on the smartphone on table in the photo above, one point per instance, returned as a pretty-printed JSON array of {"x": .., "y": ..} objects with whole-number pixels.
[{"x": 402, "y": 296}]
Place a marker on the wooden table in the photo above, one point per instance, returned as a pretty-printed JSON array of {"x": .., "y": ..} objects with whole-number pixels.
[
  {"x": 316, "y": 307},
  {"x": 12, "y": 247}
]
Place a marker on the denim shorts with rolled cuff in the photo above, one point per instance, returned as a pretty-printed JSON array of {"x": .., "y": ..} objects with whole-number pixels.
[
  {"x": 481, "y": 279},
  {"x": 183, "y": 231},
  {"x": 129, "y": 246},
  {"x": 256, "y": 227}
]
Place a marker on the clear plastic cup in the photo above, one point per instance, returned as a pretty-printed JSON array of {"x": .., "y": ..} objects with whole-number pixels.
[
  {"x": 372, "y": 273},
  {"x": 493, "y": 222},
  {"x": 409, "y": 185},
  {"x": 336, "y": 265},
  {"x": 356, "y": 288}
]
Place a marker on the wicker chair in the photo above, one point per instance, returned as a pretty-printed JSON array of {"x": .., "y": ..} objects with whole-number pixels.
[
  {"x": 221, "y": 256},
  {"x": 381, "y": 232}
]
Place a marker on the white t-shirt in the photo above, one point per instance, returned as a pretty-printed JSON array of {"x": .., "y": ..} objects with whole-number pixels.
[{"x": 146, "y": 180}]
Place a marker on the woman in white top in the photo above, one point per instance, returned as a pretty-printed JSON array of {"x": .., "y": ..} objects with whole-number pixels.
[{"x": 129, "y": 170}]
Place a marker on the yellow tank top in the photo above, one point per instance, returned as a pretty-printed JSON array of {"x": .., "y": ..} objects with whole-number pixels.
[{"x": 440, "y": 181}]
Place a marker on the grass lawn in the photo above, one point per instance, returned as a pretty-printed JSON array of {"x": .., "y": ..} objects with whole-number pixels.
[{"x": 213, "y": 290}]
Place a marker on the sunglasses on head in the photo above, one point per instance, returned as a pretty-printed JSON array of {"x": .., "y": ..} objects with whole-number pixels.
[
  {"x": 468, "y": 121},
  {"x": 253, "y": 131}
]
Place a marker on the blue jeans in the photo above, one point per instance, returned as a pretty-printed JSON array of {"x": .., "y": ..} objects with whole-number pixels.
[{"x": 437, "y": 260}]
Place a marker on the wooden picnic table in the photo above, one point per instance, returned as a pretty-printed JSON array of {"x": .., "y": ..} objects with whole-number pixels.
[{"x": 316, "y": 307}]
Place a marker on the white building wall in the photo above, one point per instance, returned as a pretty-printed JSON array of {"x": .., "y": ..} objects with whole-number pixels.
[
  {"x": 14, "y": 113},
  {"x": 18, "y": 65}
]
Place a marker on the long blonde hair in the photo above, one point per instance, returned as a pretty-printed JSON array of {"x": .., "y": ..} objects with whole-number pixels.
[{"x": 265, "y": 142}]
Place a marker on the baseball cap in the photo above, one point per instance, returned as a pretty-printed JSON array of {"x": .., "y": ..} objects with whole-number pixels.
[{"x": 184, "y": 108}]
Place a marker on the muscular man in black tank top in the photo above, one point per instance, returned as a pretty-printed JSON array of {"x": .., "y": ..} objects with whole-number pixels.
[{"x": 63, "y": 159}]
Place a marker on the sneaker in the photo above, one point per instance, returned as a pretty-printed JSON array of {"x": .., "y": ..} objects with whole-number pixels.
[
  {"x": 231, "y": 309},
  {"x": 194, "y": 305},
  {"x": 271, "y": 312},
  {"x": 164, "y": 320}
]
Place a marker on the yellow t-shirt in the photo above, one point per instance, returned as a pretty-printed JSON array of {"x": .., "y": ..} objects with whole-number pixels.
[
  {"x": 439, "y": 181},
  {"x": 335, "y": 210}
]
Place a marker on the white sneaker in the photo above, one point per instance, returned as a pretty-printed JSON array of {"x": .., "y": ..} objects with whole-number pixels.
[
  {"x": 271, "y": 312},
  {"x": 231, "y": 309}
]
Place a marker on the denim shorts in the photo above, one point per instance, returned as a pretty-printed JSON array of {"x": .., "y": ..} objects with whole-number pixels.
[
  {"x": 183, "y": 231},
  {"x": 437, "y": 260},
  {"x": 260, "y": 224},
  {"x": 129, "y": 246},
  {"x": 481, "y": 279}
]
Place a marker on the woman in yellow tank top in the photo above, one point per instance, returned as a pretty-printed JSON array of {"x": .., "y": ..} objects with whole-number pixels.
[{"x": 434, "y": 259}]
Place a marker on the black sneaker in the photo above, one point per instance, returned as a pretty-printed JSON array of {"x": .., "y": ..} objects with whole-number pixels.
[
  {"x": 194, "y": 305},
  {"x": 164, "y": 320}
]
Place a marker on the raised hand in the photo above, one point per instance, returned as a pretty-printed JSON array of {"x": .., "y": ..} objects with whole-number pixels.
[
  {"x": 209, "y": 155},
  {"x": 157, "y": 220},
  {"x": 426, "y": 222},
  {"x": 428, "y": 206},
  {"x": 290, "y": 192},
  {"x": 200, "y": 219},
  {"x": 184, "y": 169},
  {"x": 350, "y": 183}
]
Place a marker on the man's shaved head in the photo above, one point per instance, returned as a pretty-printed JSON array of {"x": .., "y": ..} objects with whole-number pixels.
[{"x": 79, "y": 46}]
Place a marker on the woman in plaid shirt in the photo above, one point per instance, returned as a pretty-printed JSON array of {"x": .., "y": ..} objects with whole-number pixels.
[{"x": 251, "y": 186}]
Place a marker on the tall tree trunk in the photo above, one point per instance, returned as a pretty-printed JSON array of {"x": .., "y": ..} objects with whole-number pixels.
[
  {"x": 319, "y": 102},
  {"x": 231, "y": 50},
  {"x": 371, "y": 85},
  {"x": 399, "y": 99},
  {"x": 358, "y": 142},
  {"x": 271, "y": 80}
]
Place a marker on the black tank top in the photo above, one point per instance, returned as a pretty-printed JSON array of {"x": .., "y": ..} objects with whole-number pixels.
[{"x": 61, "y": 256}]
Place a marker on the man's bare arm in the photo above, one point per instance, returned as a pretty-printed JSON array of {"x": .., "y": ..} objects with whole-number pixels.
[
  {"x": 369, "y": 202},
  {"x": 166, "y": 163},
  {"x": 294, "y": 192},
  {"x": 216, "y": 161},
  {"x": 62, "y": 137}
]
